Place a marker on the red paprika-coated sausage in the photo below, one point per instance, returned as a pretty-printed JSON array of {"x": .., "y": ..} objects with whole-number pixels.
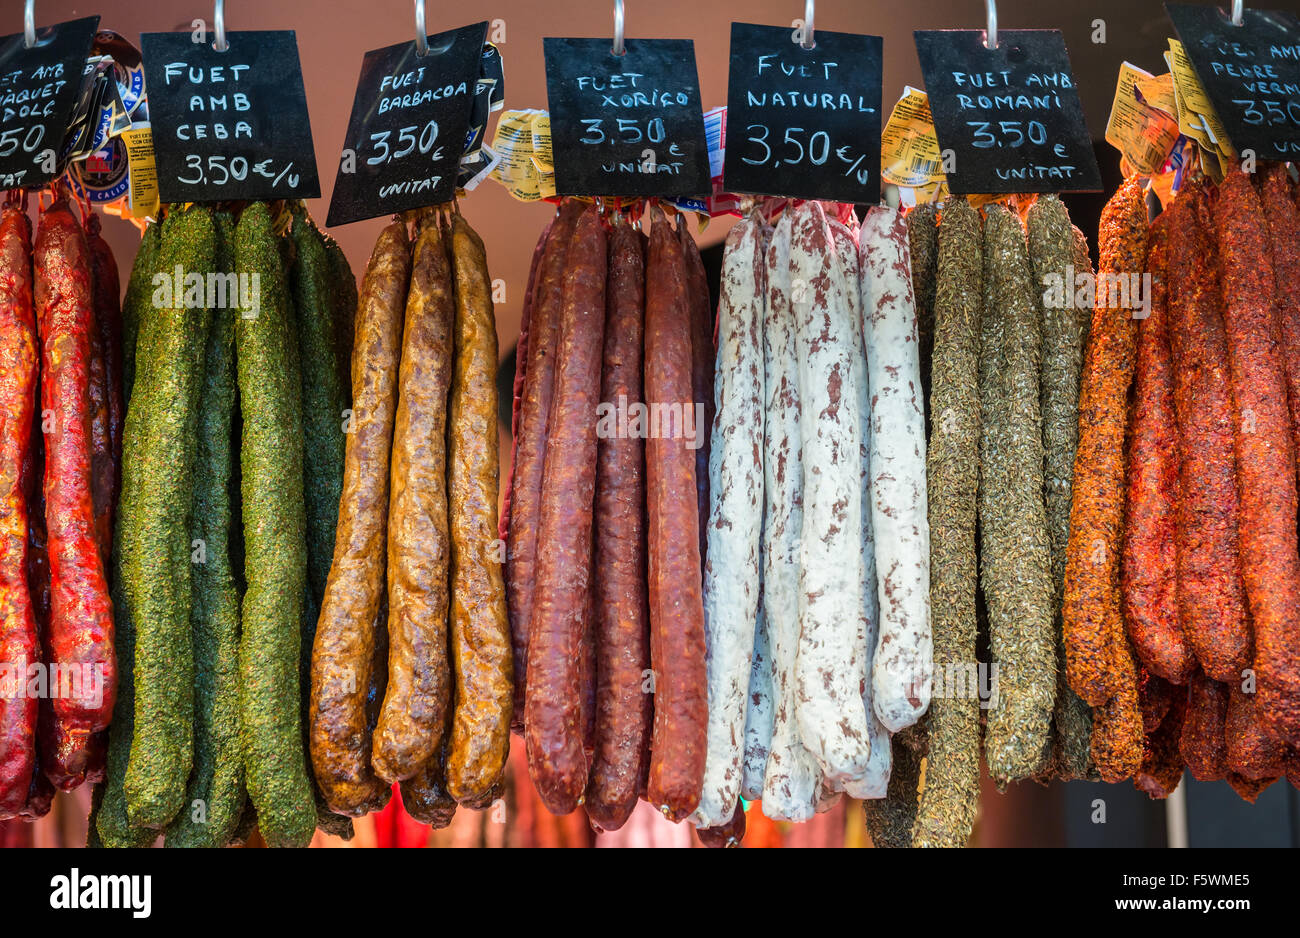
[
  {"x": 553, "y": 707},
  {"x": 677, "y": 643},
  {"x": 531, "y": 442},
  {"x": 81, "y": 616},
  {"x": 1149, "y": 581},
  {"x": 1252, "y": 752},
  {"x": 1265, "y": 448},
  {"x": 1162, "y": 763},
  {"x": 1283, "y": 216},
  {"x": 1203, "y": 743},
  {"x": 1212, "y": 607},
  {"x": 622, "y": 618},
  {"x": 19, "y": 647}
]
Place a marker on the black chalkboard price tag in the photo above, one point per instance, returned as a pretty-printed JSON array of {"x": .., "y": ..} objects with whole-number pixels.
[
  {"x": 38, "y": 92},
  {"x": 229, "y": 125},
  {"x": 410, "y": 120},
  {"x": 626, "y": 125},
  {"x": 803, "y": 122},
  {"x": 1251, "y": 73},
  {"x": 1011, "y": 115}
]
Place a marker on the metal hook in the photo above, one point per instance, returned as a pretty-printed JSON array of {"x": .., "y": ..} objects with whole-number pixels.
[
  {"x": 29, "y": 24},
  {"x": 1238, "y": 8},
  {"x": 219, "y": 26},
  {"x": 421, "y": 41},
  {"x": 991, "y": 36},
  {"x": 809, "y": 12},
  {"x": 619, "y": 47}
]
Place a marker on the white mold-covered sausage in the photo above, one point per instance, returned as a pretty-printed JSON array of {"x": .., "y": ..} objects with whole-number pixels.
[{"x": 902, "y": 666}]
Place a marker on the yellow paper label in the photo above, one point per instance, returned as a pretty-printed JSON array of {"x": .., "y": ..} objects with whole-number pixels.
[
  {"x": 523, "y": 141},
  {"x": 1197, "y": 111},
  {"x": 909, "y": 149},
  {"x": 142, "y": 196},
  {"x": 1158, "y": 92},
  {"x": 1144, "y": 135}
]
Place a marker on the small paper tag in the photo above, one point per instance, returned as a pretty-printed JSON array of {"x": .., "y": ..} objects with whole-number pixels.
[
  {"x": 1250, "y": 73},
  {"x": 1011, "y": 115},
  {"x": 803, "y": 122},
  {"x": 409, "y": 127},
  {"x": 1143, "y": 134},
  {"x": 39, "y": 90},
  {"x": 629, "y": 125},
  {"x": 229, "y": 125}
]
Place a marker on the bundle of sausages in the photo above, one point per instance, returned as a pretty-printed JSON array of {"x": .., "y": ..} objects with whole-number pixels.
[
  {"x": 411, "y": 671},
  {"x": 60, "y": 438},
  {"x": 735, "y": 652},
  {"x": 231, "y": 332},
  {"x": 1199, "y": 533},
  {"x": 1008, "y": 339}
]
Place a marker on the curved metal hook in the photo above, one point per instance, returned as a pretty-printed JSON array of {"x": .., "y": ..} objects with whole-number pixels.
[
  {"x": 29, "y": 24},
  {"x": 1238, "y": 8},
  {"x": 809, "y": 14},
  {"x": 991, "y": 35},
  {"x": 219, "y": 26},
  {"x": 421, "y": 40},
  {"x": 620, "y": 48}
]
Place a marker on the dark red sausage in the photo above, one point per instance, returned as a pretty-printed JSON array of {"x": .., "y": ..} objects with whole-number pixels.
[
  {"x": 531, "y": 442},
  {"x": 623, "y": 709},
  {"x": 553, "y": 709},
  {"x": 702, "y": 355},
  {"x": 521, "y": 369},
  {"x": 1265, "y": 448},
  {"x": 108, "y": 349},
  {"x": 1212, "y": 605},
  {"x": 19, "y": 647},
  {"x": 727, "y": 835},
  {"x": 677, "y": 643}
]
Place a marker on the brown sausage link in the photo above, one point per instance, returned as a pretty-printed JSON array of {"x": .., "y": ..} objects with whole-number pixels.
[
  {"x": 1212, "y": 607},
  {"x": 480, "y": 629},
  {"x": 424, "y": 794},
  {"x": 416, "y": 702},
  {"x": 702, "y": 354},
  {"x": 1266, "y": 458},
  {"x": 530, "y": 451},
  {"x": 623, "y": 709},
  {"x": 344, "y": 652},
  {"x": 677, "y": 644},
  {"x": 521, "y": 369},
  {"x": 1203, "y": 743},
  {"x": 19, "y": 376},
  {"x": 553, "y": 718}
]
